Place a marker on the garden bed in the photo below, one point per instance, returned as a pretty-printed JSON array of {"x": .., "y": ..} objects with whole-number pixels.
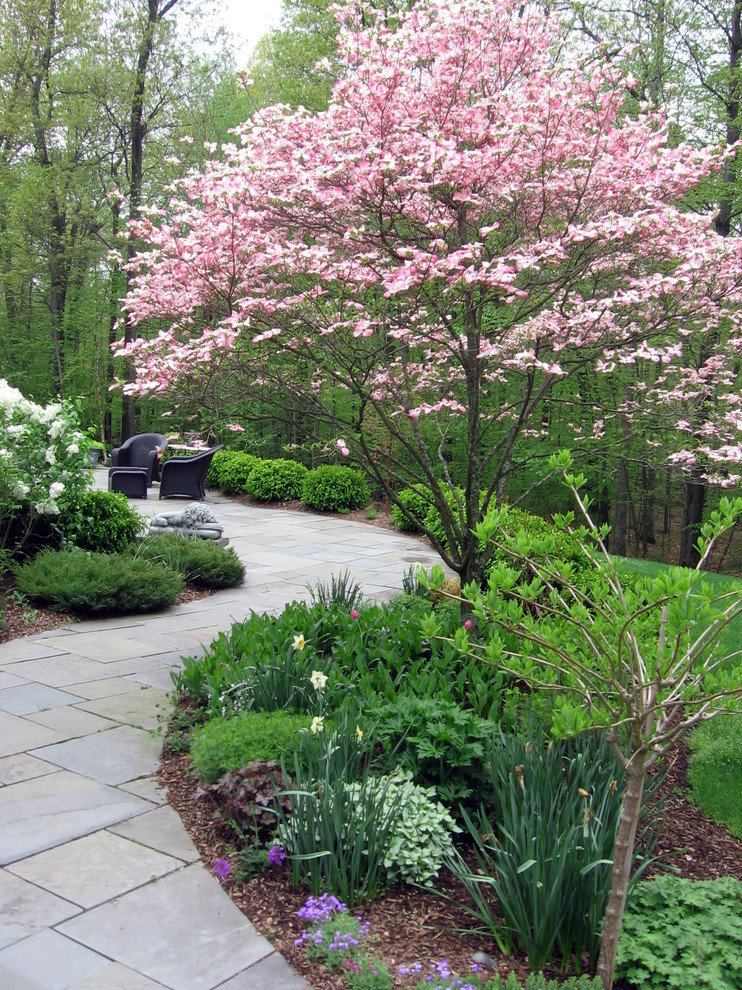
[{"x": 413, "y": 925}]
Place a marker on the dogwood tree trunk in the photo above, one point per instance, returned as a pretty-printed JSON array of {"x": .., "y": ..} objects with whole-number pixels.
[{"x": 622, "y": 858}]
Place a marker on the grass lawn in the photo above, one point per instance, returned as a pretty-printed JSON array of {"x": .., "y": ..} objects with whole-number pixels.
[{"x": 715, "y": 772}]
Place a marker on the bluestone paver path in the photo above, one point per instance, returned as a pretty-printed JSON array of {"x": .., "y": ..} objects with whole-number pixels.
[{"x": 100, "y": 886}]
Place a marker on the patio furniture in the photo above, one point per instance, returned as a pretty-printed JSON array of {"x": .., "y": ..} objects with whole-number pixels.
[
  {"x": 141, "y": 451},
  {"x": 185, "y": 475},
  {"x": 132, "y": 481}
]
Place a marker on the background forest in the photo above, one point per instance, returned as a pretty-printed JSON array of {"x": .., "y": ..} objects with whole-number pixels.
[{"x": 104, "y": 105}]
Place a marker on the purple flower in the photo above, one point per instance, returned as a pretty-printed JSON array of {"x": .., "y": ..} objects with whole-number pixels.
[
  {"x": 318, "y": 909},
  {"x": 222, "y": 869},
  {"x": 276, "y": 855}
]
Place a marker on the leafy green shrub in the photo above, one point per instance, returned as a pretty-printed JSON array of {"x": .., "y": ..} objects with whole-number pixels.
[
  {"x": 544, "y": 845},
  {"x": 276, "y": 481},
  {"x": 220, "y": 458},
  {"x": 232, "y": 470},
  {"x": 440, "y": 743},
  {"x": 333, "y": 488},
  {"x": 548, "y": 540},
  {"x": 225, "y": 744},
  {"x": 100, "y": 521},
  {"x": 97, "y": 583},
  {"x": 715, "y": 771},
  {"x": 416, "y": 500},
  {"x": 680, "y": 933},
  {"x": 201, "y": 562}
]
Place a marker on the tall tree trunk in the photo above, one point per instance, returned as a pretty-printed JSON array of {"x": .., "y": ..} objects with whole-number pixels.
[
  {"x": 649, "y": 480},
  {"x": 57, "y": 247},
  {"x": 723, "y": 221},
  {"x": 620, "y": 521},
  {"x": 695, "y": 499},
  {"x": 156, "y": 10},
  {"x": 623, "y": 856}
]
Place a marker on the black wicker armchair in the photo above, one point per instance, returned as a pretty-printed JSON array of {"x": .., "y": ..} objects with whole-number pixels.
[
  {"x": 185, "y": 475},
  {"x": 140, "y": 451}
]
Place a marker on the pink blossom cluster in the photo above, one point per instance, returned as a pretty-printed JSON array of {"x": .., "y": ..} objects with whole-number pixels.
[{"x": 468, "y": 210}]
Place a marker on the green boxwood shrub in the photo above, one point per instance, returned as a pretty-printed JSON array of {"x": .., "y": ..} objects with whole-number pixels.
[
  {"x": 550, "y": 540},
  {"x": 231, "y": 471},
  {"x": 100, "y": 521},
  {"x": 276, "y": 481},
  {"x": 333, "y": 488},
  {"x": 225, "y": 744},
  {"x": 97, "y": 583},
  {"x": 201, "y": 562},
  {"x": 415, "y": 501}
]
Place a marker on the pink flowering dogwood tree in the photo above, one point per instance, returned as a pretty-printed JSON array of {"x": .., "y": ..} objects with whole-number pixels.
[{"x": 470, "y": 221}]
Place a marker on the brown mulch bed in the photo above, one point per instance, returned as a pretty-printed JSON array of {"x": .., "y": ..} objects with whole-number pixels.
[
  {"x": 22, "y": 618},
  {"x": 413, "y": 925}
]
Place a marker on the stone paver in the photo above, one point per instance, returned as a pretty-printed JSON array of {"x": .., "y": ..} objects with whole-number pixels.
[
  {"x": 95, "y": 868},
  {"x": 102, "y": 887},
  {"x": 47, "y": 811},
  {"x": 187, "y": 909}
]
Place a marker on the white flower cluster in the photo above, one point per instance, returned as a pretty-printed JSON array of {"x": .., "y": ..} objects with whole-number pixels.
[{"x": 42, "y": 455}]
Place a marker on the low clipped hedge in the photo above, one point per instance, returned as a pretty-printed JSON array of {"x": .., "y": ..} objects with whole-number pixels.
[
  {"x": 277, "y": 480},
  {"x": 333, "y": 488},
  {"x": 97, "y": 583},
  {"x": 229, "y": 471},
  {"x": 100, "y": 521},
  {"x": 414, "y": 500},
  {"x": 200, "y": 562}
]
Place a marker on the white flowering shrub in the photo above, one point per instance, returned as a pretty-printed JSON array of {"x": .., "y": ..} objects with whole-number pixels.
[{"x": 43, "y": 460}]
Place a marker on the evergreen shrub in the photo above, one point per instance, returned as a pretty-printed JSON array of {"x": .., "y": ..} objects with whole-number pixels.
[
  {"x": 334, "y": 488},
  {"x": 231, "y": 471},
  {"x": 277, "y": 480},
  {"x": 100, "y": 521},
  {"x": 415, "y": 501},
  {"x": 97, "y": 583},
  {"x": 201, "y": 562}
]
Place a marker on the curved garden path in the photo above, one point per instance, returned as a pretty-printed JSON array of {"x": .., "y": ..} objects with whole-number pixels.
[{"x": 100, "y": 885}]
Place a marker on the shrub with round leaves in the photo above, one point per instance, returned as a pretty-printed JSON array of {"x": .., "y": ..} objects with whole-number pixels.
[
  {"x": 333, "y": 488},
  {"x": 102, "y": 521},
  {"x": 414, "y": 500},
  {"x": 229, "y": 471},
  {"x": 276, "y": 481}
]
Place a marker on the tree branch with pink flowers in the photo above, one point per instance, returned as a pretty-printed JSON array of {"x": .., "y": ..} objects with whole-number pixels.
[{"x": 469, "y": 222}]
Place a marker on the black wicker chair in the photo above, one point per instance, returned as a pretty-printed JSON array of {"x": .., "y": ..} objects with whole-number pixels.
[
  {"x": 185, "y": 475},
  {"x": 140, "y": 451}
]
